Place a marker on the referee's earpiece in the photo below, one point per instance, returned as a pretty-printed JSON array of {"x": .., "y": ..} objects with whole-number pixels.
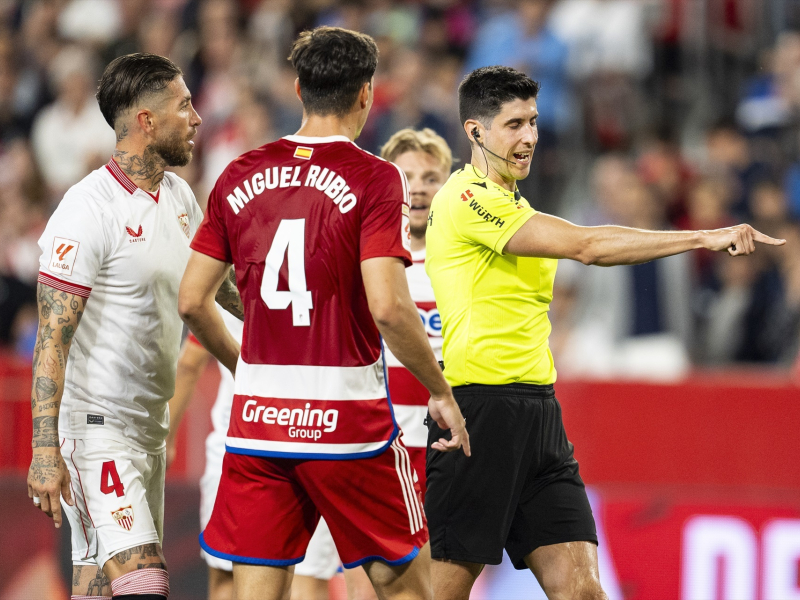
[{"x": 475, "y": 134}]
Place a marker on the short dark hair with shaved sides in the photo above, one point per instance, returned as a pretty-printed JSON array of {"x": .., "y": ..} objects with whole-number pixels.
[
  {"x": 332, "y": 65},
  {"x": 483, "y": 92},
  {"x": 129, "y": 78}
]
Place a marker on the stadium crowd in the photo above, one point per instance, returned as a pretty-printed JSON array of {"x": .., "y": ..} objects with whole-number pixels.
[{"x": 651, "y": 117}]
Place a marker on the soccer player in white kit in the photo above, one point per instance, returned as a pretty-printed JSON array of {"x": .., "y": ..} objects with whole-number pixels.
[
  {"x": 322, "y": 561},
  {"x": 100, "y": 390}
]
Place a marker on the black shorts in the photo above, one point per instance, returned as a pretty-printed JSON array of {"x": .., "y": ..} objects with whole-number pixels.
[{"x": 519, "y": 490}]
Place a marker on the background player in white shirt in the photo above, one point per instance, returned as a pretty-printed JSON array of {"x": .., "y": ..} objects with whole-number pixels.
[
  {"x": 426, "y": 160},
  {"x": 100, "y": 391},
  {"x": 321, "y": 562}
]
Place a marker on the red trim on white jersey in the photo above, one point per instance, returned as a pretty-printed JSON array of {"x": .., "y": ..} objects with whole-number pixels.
[
  {"x": 64, "y": 286},
  {"x": 126, "y": 181},
  {"x": 83, "y": 494}
]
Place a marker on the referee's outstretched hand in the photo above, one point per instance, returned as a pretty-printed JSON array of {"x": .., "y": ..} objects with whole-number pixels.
[
  {"x": 739, "y": 240},
  {"x": 445, "y": 411}
]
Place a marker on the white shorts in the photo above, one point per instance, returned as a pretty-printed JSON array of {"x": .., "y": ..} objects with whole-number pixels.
[
  {"x": 119, "y": 498},
  {"x": 321, "y": 561}
]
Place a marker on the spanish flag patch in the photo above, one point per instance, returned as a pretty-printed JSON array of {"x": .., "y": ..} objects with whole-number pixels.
[{"x": 303, "y": 152}]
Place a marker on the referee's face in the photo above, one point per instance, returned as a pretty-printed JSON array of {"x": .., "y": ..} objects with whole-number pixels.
[{"x": 513, "y": 135}]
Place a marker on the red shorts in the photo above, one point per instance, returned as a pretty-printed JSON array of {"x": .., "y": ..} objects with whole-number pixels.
[
  {"x": 418, "y": 462},
  {"x": 267, "y": 509}
]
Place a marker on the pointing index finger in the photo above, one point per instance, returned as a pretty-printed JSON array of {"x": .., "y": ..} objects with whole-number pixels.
[{"x": 765, "y": 239}]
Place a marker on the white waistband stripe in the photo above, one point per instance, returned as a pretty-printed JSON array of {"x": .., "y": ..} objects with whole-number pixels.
[
  {"x": 302, "y": 448},
  {"x": 311, "y": 382}
]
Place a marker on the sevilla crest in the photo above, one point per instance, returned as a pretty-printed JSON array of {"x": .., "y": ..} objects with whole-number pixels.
[
  {"x": 124, "y": 517},
  {"x": 183, "y": 219}
]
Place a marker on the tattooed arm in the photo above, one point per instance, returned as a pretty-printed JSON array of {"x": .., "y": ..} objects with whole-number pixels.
[
  {"x": 202, "y": 277},
  {"x": 48, "y": 478},
  {"x": 228, "y": 296}
]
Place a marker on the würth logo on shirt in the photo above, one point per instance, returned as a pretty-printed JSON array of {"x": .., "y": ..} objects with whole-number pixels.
[
  {"x": 135, "y": 236},
  {"x": 62, "y": 258}
]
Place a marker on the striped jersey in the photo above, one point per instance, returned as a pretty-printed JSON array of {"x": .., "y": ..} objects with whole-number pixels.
[
  {"x": 409, "y": 397},
  {"x": 297, "y": 217},
  {"x": 124, "y": 249}
]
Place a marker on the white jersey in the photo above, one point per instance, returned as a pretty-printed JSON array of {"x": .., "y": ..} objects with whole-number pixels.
[
  {"x": 409, "y": 397},
  {"x": 221, "y": 412},
  {"x": 128, "y": 249}
]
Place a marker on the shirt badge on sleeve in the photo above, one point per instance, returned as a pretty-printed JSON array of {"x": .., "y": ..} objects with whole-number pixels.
[{"x": 62, "y": 258}]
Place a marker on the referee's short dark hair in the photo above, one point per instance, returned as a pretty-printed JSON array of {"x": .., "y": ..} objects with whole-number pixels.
[
  {"x": 332, "y": 65},
  {"x": 127, "y": 79},
  {"x": 483, "y": 92}
]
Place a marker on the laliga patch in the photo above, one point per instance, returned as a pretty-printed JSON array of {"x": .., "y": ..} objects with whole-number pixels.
[
  {"x": 183, "y": 219},
  {"x": 124, "y": 517},
  {"x": 62, "y": 258},
  {"x": 405, "y": 232},
  {"x": 303, "y": 152}
]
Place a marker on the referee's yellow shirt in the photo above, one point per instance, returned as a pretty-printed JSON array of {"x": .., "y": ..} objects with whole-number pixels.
[{"x": 493, "y": 306}]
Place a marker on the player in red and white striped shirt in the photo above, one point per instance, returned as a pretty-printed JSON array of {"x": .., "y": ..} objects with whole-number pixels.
[{"x": 316, "y": 229}]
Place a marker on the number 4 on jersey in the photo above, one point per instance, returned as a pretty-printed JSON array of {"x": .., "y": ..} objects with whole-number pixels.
[
  {"x": 289, "y": 241},
  {"x": 109, "y": 479}
]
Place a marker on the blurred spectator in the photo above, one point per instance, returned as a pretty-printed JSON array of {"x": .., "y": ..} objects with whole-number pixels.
[
  {"x": 70, "y": 136},
  {"x": 248, "y": 127},
  {"x": 708, "y": 207},
  {"x": 729, "y": 154},
  {"x": 703, "y": 134},
  {"x": 723, "y": 327},
  {"x": 769, "y": 97},
  {"x": 772, "y": 321},
  {"x": 523, "y": 39},
  {"x": 662, "y": 167},
  {"x": 97, "y": 22},
  {"x": 631, "y": 320}
]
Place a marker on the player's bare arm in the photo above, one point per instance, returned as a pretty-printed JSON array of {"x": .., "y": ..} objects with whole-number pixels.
[
  {"x": 201, "y": 280},
  {"x": 398, "y": 321},
  {"x": 228, "y": 296},
  {"x": 191, "y": 363},
  {"x": 48, "y": 478},
  {"x": 547, "y": 236}
]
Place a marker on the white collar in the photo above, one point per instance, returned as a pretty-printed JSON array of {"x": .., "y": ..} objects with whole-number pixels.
[{"x": 302, "y": 139}]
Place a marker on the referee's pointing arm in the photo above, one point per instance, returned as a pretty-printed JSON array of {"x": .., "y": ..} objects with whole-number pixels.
[{"x": 547, "y": 236}]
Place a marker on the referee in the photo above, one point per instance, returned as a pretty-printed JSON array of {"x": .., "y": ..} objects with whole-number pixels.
[{"x": 492, "y": 260}]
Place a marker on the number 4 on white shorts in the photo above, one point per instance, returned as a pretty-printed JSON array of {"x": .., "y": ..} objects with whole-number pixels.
[{"x": 290, "y": 241}]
